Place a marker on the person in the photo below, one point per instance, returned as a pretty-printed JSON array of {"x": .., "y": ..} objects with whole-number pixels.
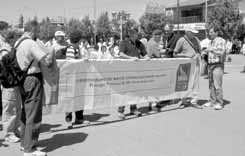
[
  {"x": 154, "y": 51},
  {"x": 204, "y": 57},
  {"x": 153, "y": 46},
  {"x": 170, "y": 41},
  {"x": 131, "y": 48},
  {"x": 73, "y": 52},
  {"x": 11, "y": 98},
  {"x": 58, "y": 42},
  {"x": 243, "y": 52},
  {"x": 189, "y": 46},
  {"x": 216, "y": 52},
  {"x": 29, "y": 53}
]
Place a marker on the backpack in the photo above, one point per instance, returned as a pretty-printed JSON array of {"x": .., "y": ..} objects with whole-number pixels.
[{"x": 11, "y": 75}]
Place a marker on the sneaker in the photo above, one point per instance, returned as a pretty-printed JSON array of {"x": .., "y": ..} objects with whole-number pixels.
[
  {"x": 183, "y": 105},
  {"x": 156, "y": 109},
  {"x": 69, "y": 125},
  {"x": 79, "y": 122},
  {"x": 136, "y": 113},
  {"x": 196, "y": 106},
  {"x": 121, "y": 115},
  {"x": 35, "y": 153},
  {"x": 12, "y": 138},
  {"x": 208, "y": 104},
  {"x": 218, "y": 106}
]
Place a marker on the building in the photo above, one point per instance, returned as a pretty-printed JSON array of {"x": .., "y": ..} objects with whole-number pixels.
[{"x": 194, "y": 12}]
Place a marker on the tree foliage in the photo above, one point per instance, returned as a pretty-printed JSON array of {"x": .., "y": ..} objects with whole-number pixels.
[
  {"x": 103, "y": 25},
  {"x": 151, "y": 21},
  {"x": 3, "y": 25},
  {"x": 47, "y": 29},
  {"x": 21, "y": 21},
  {"x": 227, "y": 19}
]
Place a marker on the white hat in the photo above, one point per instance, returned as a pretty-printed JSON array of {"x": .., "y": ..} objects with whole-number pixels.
[
  {"x": 59, "y": 33},
  {"x": 191, "y": 28}
]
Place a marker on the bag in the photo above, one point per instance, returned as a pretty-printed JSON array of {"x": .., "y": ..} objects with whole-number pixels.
[
  {"x": 61, "y": 53},
  {"x": 11, "y": 75},
  {"x": 215, "y": 59}
]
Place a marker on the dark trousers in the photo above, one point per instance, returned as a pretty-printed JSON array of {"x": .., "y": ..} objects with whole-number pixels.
[
  {"x": 31, "y": 117},
  {"x": 78, "y": 116},
  {"x": 122, "y": 108}
]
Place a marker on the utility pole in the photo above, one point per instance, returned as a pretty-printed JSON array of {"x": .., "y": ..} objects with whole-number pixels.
[
  {"x": 94, "y": 23},
  {"x": 178, "y": 16}
]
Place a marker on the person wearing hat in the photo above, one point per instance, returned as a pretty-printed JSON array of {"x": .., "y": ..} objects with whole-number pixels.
[
  {"x": 131, "y": 48},
  {"x": 189, "y": 46},
  {"x": 58, "y": 42}
]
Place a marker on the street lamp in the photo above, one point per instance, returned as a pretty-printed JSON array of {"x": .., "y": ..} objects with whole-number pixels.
[{"x": 122, "y": 18}]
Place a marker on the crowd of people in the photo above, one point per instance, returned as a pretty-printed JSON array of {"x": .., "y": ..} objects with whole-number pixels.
[{"x": 22, "y": 110}]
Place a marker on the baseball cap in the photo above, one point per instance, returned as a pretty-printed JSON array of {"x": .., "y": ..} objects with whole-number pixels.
[
  {"x": 59, "y": 33},
  {"x": 157, "y": 32},
  {"x": 191, "y": 28}
]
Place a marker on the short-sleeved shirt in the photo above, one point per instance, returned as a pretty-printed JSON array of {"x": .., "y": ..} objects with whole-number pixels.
[
  {"x": 184, "y": 48},
  {"x": 27, "y": 51},
  {"x": 72, "y": 53},
  {"x": 218, "y": 47},
  {"x": 153, "y": 49},
  {"x": 133, "y": 49}
]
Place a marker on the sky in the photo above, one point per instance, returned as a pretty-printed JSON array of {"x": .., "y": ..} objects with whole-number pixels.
[{"x": 10, "y": 10}]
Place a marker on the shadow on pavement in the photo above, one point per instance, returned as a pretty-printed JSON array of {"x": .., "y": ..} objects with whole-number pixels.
[
  {"x": 47, "y": 127},
  {"x": 61, "y": 140},
  {"x": 202, "y": 102},
  {"x": 95, "y": 116},
  {"x": 2, "y": 143}
]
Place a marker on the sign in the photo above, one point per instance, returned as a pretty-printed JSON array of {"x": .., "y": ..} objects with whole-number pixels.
[{"x": 104, "y": 84}]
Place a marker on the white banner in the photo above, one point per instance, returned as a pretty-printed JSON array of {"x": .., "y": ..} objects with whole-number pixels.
[{"x": 103, "y": 84}]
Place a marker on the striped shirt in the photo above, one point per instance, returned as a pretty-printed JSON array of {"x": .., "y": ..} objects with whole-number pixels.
[
  {"x": 217, "y": 48},
  {"x": 72, "y": 53}
]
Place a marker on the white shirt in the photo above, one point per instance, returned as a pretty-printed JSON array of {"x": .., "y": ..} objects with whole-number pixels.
[{"x": 27, "y": 51}]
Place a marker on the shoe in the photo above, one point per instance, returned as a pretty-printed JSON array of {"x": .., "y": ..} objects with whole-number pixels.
[
  {"x": 218, "y": 106},
  {"x": 35, "y": 153},
  {"x": 79, "y": 122},
  {"x": 149, "y": 108},
  {"x": 136, "y": 113},
  {"x": 12, "y": 138},
  {"x": 69, "y": 125},
  {"x": 196, "y": 106},
  {"x": 121, "y": 116},
  {"x": 183, "y": 105},
  {"x": 156, "y": 109},
  {"x": 208, "y": 104}
]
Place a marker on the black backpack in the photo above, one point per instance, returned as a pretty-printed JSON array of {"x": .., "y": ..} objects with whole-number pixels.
[{"x": 11, "y": 75}]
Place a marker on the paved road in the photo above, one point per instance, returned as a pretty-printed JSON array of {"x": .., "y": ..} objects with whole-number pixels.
[{"x": 172, "y": 132}]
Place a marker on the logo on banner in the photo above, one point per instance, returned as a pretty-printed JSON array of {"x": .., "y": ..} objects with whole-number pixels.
[{"x": 182, "y": 78}]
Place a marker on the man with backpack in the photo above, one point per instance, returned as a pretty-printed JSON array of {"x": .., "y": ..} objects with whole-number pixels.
[
  {"x": 188, "y": 46},
  {"x": 29, "y": 56}
]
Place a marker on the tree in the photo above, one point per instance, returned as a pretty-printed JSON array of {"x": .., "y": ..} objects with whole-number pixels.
[
  {"x": 3, "y": 25},
  {"x": 103, "y": 25},
  {"x": 47, "y": 29},
  {"x": 151, "y": 21},
  {"x": 21, "y": 21},
  {"x": 87, "y": 28},
  {"x": 226, "y": 18}
]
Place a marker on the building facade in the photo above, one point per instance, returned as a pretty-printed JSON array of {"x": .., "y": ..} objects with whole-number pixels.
[{"x": 194, "y": 12}]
